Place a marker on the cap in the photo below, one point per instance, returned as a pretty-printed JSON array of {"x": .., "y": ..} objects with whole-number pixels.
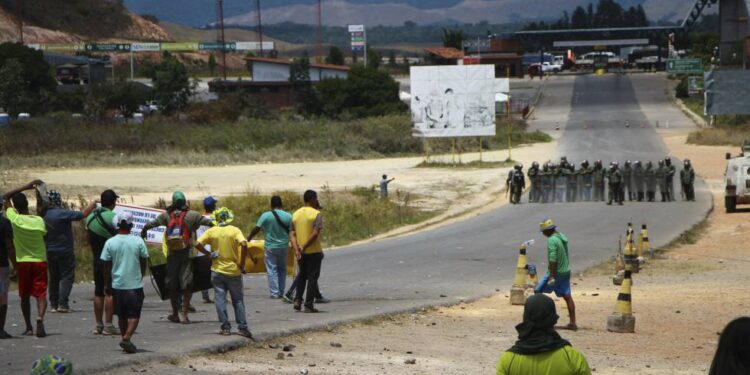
[
  {"x": 209, "y": 201},
  {"x": 124, "y": 216},
  {"x": 178, "y": 196},
  {"x": 109, "y": 196},
  {"x": 547, "y": 225},
  {"x": 223, "y": 216}
]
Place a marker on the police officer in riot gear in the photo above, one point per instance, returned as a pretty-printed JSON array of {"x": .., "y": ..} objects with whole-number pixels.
[
  {"x": 669, "y": 177},
  {"x": 535, "y": 193},
  {"x": 516, "y": 182},
  {"x": 615, "y": 180},
  {"x": 627, "y": 180},
  {"x": 687, "y": 178},
  {"x": 639, "y": 180}
]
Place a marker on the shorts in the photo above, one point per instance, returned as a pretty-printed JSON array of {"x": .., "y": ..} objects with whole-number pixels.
[
  {"x": 128, "y": 303},
  {"x": 4, "y": 285},
  {"x": 32, "y": 279},
  {"x": 561, "y": 286},
  {"x": 97, "y": 245},
  {"x": 179, "y": 271}
]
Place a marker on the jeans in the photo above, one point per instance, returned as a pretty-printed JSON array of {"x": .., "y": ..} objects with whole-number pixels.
[
  {"x": 309, "y": 272},
  {"x": 233, "y": 285},
  {"x": 62, "y": 273},
  {"x": 276, "y": 270}
]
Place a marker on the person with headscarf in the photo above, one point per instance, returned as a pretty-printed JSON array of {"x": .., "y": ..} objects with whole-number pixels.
[
  {"x": 731, "y": 356},
  {"x": 228, "y": 253},
  {"x": 540, "y": 350},
  {"x": 181, "y": 225},
  {"x": 61, "y": 259}
]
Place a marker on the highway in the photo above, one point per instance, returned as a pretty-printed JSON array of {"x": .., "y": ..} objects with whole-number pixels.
[{"x": 462, "y": 261}]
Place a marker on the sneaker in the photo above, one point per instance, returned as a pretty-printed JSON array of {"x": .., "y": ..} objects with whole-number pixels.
[
  {"x": 173, "y": 318},
  {"x": 225, "y": 332},
  {"x": 53, "y": 310},
  {"x": 40, "y": 332},
  {"x": 246, "y": 334},
  {"x": 63, "y": 310},
  {"x": 322, "y": 300},
  {"x": 298, "y": 305},
  {"x": 98, "y": 329},
  {"x": 4, "y": 335},
  {"x": 110, "y": 330},
  {"x": 287, "y": 299},
  {"x": 128, "y": 347},
  {"x": 311, "y": 310},
  {"x": 191, "y": 309}
]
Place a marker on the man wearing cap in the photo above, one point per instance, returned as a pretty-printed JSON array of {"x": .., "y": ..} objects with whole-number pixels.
[
  {"x": 557, "y": 278},
  {"x": 183, "y": 222},
  {"x": 124, "y": 258},
  {"x": 228, "y": 265},
  {"x": 30, "y": 255},
  {"x": 201, "y": 261},
  {"x": 307, "y": 225},
  {"x": 99, "y": 228},
  {"x": 275, "y": 225},
  {"x": 60, "y": 254}
]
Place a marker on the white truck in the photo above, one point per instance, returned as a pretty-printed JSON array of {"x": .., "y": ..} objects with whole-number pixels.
[
  {"x": 548, "y": 67},
  {"x": 737, "y": 177}
]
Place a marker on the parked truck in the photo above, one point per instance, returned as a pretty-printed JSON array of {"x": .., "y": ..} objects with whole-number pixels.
[{"x": 737, "y": 176}]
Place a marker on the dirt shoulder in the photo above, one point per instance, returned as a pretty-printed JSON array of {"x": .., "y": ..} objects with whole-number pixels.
[{"x": 681, "y": 300}]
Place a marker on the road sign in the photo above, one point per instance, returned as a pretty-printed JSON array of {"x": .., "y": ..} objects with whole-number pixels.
[
  {"x": 684, "y": 66},
  {"x": 144, "y": 47},
  {"x": 107, "y": 47},
  {"x": 214, "y": 46},
  {"x": 254, "y": 46},
  {"x": 356, "y": 28},
  {"x": 180, "y": 46},
  {"x": 695, "y": 85}
]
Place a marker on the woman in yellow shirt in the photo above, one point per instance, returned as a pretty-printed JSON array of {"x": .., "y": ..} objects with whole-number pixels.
[{"x": 540, "y": 350}]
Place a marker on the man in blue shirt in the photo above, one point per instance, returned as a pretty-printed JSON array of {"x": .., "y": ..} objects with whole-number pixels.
[
  {"x": 275, "y": 225},
  {"x": 61, "y": 259},
  {"x": 124, "y": 258}
]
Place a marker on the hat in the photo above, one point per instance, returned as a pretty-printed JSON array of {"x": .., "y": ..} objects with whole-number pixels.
[
  {"x": 124, "y": 216},
  {"x": 547, "y": 225},
  {"x": 209, "y": 201},
  {"x": 178, "y": 196},
  {"x": 52, "y": 364},
  {"x": 223, "y": 216},
  {"x": 108, "y": 197},
  {"x": 54, "y": 198}
]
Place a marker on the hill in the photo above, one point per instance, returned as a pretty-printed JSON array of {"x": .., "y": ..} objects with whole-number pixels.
[
  {"x": 186, "y": 33},
  {"x": 53, "y": 21},
  {"x": 389, "y": 12}
]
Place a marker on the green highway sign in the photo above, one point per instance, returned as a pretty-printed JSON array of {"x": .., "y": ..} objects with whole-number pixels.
[
  {"x": 684, "y": 66},
  {"x": 107, "y": 47},
  {"x": 213, "y": 46}
]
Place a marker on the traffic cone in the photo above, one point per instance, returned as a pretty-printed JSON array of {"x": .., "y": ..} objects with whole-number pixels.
[
  {"x": 630, "y": 253},
  {"x": 644, "y": 245},
  {"x": 521, "y": 282},
  {"x": 622, "y": 320}
]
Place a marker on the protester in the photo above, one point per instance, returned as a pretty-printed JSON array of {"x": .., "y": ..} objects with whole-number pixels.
[
  {"x": 181, "y": 223},
  {"x": 99, "y": 228},
  {"x": 731, "y": 356},
  {"x": 52, "y": 364},
  {"x": 6, "y": 252},
  {"x": 201, "y": 261},
  {"x": 30, "y": 260},
  {"x": 384, "y": 186},
  {"x": 227, "y": 268},
  {"x": 540, "y": 349},
  {"x": 61, "y": 257},
  {"x": 125, "y": 263},
  {"x": 275, "y": 225},
  {"x": 307, "y": 224},
  {"x": 557, "y": 278}
]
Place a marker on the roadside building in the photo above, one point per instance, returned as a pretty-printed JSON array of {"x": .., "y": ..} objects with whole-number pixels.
[
  {"x": 76, "y": 70},
  {"x": 505, "y": 53},
  {"x": 443, "y": 56}
]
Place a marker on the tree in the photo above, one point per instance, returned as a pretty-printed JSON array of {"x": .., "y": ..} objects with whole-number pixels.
[
  {"x": 306, "y": 97},
  {"x": 579, "y": 20},
  {"x": 641, "y": 19},
  {"x": 608, "y": 14},
  {"x": 171, "y": 83},
  {"x": 12, "y": 87},
  {"x": 37, "y": 83},
  {"x": 335, "y": 56},
  {"x": 373, "y": 58},
  {"x": 453, "y": 38},
  {"x": 392, "y": 59},
  {"x": 212, "y": 63},
  {"x": 371, "y": 92},
  {"x": 299, "y": 70}
]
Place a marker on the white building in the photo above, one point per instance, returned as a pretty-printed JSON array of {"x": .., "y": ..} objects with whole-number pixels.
[{"x": 277, "y": 70}]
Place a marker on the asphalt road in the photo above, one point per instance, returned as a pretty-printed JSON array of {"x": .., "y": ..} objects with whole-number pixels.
[{"x": 467, "y": 260}]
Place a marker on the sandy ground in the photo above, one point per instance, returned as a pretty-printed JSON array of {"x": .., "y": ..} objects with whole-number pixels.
[{"x": 681, "y": 301}]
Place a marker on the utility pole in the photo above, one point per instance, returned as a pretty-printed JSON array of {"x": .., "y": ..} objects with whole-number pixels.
[
  {"x": 260, "y": 26},
  {"x": 220, "y": 36},
  {"x": 19, "y": 19},
  {"x": 320, "y": 31}
]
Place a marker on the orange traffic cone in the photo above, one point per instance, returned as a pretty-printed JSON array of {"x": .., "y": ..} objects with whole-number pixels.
[
  {"x": 521, "y": 281},
  {"x": 622, "y": 320}
]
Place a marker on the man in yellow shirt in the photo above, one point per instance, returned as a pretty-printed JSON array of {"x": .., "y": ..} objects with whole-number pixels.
[
  {"x": 227, "y": 267},
  {"x": 307, "y": 224},
  {"x": 540, "y": 350}
]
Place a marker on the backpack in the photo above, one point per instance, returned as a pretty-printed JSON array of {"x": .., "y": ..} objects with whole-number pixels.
[{"x": 178, "y": 235}]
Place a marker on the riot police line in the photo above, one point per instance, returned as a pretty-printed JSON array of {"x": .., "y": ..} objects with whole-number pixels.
[{"x": 635, "y": 182}]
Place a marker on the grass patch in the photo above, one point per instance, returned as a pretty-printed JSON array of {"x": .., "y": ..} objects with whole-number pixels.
[
  {"x": 61, "y": 141},
  {"x": 729, "y": 130},
  {"x": 476, "y": 164}
]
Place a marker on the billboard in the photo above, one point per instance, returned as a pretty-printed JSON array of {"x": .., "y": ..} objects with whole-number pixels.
[
  {"x": 453, "y": 101},
  {"x": 180, "y": 46},
  {"x": 145, "y": 47},
  {"x": 727, "y": 92},
  {"x": 254, "y": 46}
]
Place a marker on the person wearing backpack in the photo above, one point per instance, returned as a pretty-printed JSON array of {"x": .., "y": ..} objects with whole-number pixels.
[
  {"x": 99, "y": 229},
  {"x": 181, "y": 225},
  {"x": 275, "y": 225}
]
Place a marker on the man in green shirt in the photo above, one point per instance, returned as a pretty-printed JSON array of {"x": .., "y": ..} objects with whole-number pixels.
[
  {"x": 99, "y": 229},
  {"x": 557, "y": 278},
  {"x": 30, "y": 256}
]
